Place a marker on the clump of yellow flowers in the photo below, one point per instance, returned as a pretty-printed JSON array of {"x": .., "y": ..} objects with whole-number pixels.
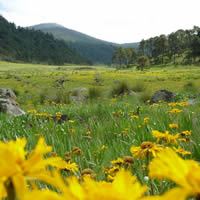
[
  {"x": 19, "y": 167},
  {"x": 21, "y": 171}
]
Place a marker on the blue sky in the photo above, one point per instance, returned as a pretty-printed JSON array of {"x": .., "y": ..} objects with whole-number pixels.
[{"x": 112, "y": 20}]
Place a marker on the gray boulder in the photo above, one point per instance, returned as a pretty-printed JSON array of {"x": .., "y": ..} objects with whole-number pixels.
[
  {"x": 7, "y": 93},
  {"x": 8, "y": 103},
  {"x": 162, "y": 95}
]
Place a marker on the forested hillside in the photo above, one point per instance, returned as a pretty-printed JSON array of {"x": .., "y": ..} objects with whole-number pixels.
[
  {"x": 96, "y": 50},
  {"x": 22, "y": 44}
]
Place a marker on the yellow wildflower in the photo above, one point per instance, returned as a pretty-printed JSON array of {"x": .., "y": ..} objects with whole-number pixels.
[
  {"x": 146, "y": 120},
  {"x": 76, "y": 151},
  {"x": 33, "y": 111},
  {"x": 112, "y": 170},
  {"x": 3, "y": 192},
  {"x": 172, "y": 104},
  {"x": 183, "y": 104},
  {"x": 173, "y": 126},
  {"x": 88, "y": 172},
  {"x": 132, "y": 115},
  {"x": 118, "y": 161},
  {"x": 110, "y": 178},
  {"x": 16, "y": 165},
  {"x": 175, "y": 193},
  {"x": 42, "y": 195},
  {"x": 175, "y": 110},
  {"x": 146, "y": 149},
  {"x": 58, "y": 115},
  {"x": 185, "y": 173},
  {"x": 184, "y": 136},
  {"x": 123, "y": 187},
  {"x": 181, "y": 151},
  {"x": 166, "y": 136},
  {"x": 72, "y": 167},
  {"x": 186, "y": 133},
  {"x": 128, "y": 160}
]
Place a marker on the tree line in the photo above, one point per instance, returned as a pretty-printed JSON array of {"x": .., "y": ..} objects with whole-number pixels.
[
  {"x": 180, "y": 47},
  {"x": 21, "y": 44}
]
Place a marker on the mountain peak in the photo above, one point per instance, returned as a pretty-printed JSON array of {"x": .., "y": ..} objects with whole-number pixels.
[{"x": 47, "y": 26}]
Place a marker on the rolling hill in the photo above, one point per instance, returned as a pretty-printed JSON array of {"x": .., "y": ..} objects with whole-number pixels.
[
  {"x": 66, "y": 34},
  {"x": 96, "y": 50}
]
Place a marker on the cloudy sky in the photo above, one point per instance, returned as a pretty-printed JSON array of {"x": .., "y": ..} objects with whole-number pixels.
[{"x": 112, "y": 20}]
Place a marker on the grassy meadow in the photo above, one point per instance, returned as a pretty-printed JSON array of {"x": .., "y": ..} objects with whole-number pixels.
[
  {"x": 31, "y": 81},
  {"x": 100, "y": 133}
]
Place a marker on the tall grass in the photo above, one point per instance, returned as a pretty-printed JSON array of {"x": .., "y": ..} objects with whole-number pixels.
[
  {"x": 99, "y": 124},
  {"x": 120, "y": 88}
]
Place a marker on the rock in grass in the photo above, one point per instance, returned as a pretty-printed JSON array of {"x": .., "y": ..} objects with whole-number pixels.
[
  {"x": 162, "y": 95},
  {"x": 8, "y": 103},
  {"x": 7, "y": 93}
]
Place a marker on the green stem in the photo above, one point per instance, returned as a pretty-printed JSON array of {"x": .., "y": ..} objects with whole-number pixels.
[
  {"x": 10, "y": 190},
  {"x": 147, "y": 172}
]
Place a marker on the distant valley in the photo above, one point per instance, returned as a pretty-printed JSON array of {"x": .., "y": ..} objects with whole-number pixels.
[{"x": 93, "y": 49}]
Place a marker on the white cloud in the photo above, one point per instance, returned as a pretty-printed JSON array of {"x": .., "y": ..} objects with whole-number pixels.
[{"x": 112, "y": 20}]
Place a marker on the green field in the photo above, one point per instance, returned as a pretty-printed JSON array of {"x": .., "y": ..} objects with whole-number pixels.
[
  {"x": 105, "y": 128},
  {"x": 30, "y": 81}
]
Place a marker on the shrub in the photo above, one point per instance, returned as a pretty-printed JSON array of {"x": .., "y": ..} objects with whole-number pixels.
[
  {"x": 121, "y": 88},
  {"x": 139, "y": 86},
  {"x": 62, "y": 96},
  {"x": 59, "y": 96},
  {"x": 143, "y": 61},
  {"x": 94, "y": 93}
]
